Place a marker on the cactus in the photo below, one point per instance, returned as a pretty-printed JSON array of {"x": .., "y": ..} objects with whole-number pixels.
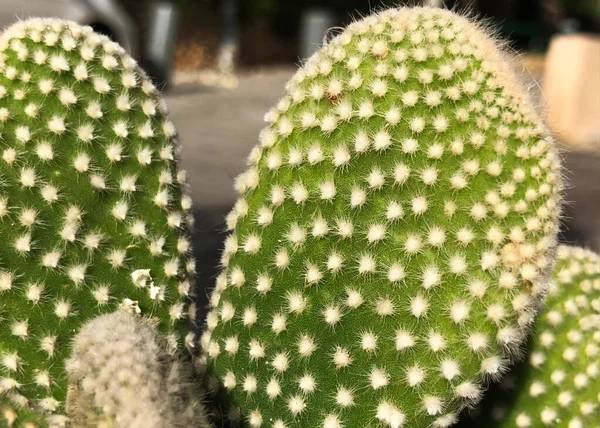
[
  {"x": 363, "y": 262},
  {"x": 92, "y": 214},
  {"x": 394, "y": 233},
  {"x": 558, "y": 385},
  {"x": 122, "y": 374}
]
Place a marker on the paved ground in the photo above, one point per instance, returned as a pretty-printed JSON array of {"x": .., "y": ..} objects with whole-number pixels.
[{"x": 218, "y": 128}]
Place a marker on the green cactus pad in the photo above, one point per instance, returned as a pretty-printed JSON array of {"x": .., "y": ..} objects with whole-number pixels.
[
  {"x": 92, "y": 215},
  {"x": 394, "y": 233},
  {"x": 559, "y": 384}
]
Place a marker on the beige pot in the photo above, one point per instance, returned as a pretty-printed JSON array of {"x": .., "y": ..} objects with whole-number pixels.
[{"x": 571, "y": 90}]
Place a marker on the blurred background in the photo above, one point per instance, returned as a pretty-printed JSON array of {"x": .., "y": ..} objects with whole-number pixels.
[{"x": 223, "y": 63}]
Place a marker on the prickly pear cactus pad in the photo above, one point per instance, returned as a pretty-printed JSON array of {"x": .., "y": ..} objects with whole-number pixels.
[
  {"x": 92, "y": 215},
  {"x": 559, "y": 384},
  {"x": 393, "y": 236}
]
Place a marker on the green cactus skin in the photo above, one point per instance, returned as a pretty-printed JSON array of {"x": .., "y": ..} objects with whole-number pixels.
[
  {"x": 122, "y": 374},
  {"x": 558, "y": 385},
  {"x": 394, "y": 233},
  {"x": 92, "y": 214}
]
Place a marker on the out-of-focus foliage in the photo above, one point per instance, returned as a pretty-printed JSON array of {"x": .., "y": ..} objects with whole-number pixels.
[
  {"x": 588, "y": 8},
  {"x": 573, "y": 15}
]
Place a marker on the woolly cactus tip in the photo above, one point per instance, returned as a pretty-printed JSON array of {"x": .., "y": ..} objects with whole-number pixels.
[
  {"x": 393, "y": 236},
  {"x": 123, "y": 374},
  {"x": 558, "y": 385},
  {"x": 92, "y": 210}
]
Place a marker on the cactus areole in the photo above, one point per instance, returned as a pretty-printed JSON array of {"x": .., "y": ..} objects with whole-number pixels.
[
  {"x": 92, "y": 215},
  {"x": 394, "y": 232}
]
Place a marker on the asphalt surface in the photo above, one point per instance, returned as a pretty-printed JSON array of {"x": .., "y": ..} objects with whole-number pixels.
[{"x": 218, "y": 128}]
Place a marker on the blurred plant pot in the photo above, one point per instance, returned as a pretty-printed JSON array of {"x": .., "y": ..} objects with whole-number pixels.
[
  {"x": 571, "y": 87},
  {"x": 164, "y": 17},
  {"x": 315, "y": 22}
]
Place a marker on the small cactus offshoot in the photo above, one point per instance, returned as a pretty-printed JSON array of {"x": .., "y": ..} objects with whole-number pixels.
[
  {"x": 394, "y": 232},
  {"x": 123, "y": 374},
  {"x": 92, "y": 214},
  {"x": 559, "y": 383}
]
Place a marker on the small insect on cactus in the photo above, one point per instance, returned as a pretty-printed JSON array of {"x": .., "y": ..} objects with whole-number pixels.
[
  {"x": 92, "y": 215},
  {"x": 559, "y": 384},
  {"x": 122, "y": 373},
  {"x": 394, "y": 233}
]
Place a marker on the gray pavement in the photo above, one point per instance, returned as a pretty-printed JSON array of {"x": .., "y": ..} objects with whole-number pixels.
[{"x": 218, "y": 128}]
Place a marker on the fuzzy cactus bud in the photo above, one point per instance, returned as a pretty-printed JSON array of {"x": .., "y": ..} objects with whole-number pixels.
[
  {"x": 394, "y": 232},
  {"x": 122, "y": 374}
]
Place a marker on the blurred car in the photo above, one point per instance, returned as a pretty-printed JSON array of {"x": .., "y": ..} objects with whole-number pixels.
[{"x": 104, "y": 16}]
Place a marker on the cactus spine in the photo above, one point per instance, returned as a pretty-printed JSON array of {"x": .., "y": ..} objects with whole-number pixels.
[
  {"x": 92, "y": 214},
  {"x": 393, "y": 236}
]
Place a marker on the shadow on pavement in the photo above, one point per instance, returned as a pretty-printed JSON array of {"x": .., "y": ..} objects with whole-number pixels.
[{"x": 581, "y": 212}]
